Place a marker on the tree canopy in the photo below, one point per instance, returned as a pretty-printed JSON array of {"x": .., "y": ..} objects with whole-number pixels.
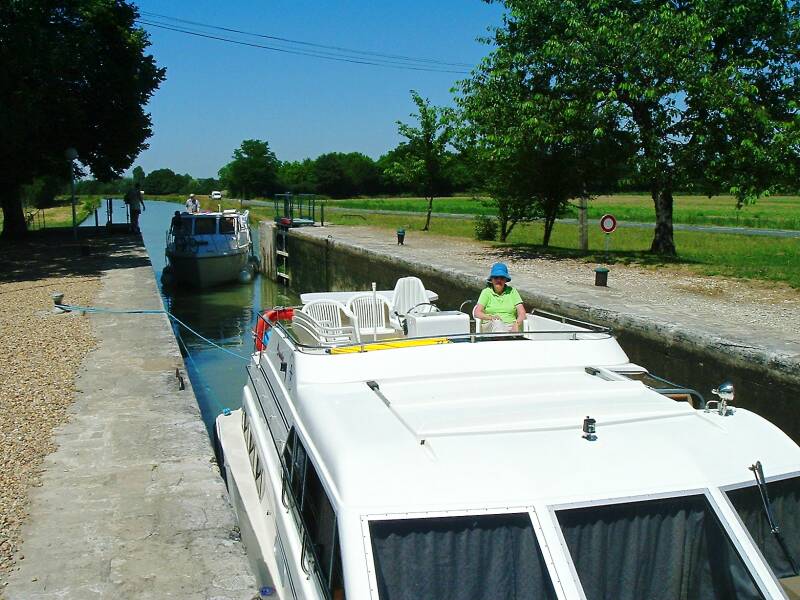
[
  {"x": 423, "y": 160},
  {"x": 75, "y": 75},
  {"x": 252, "y": 172},
  {"x": 705, "y": 90}
]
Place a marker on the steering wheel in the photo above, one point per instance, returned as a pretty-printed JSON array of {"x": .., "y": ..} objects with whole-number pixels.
[{"x": 433, "y": 306}]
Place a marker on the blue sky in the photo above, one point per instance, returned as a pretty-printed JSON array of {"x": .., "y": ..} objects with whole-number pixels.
[{"x": 217, "y": 94}]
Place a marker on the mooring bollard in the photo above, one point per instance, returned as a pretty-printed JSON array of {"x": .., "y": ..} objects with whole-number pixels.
[
  {"x": 601, "y": 276},
  {"x": 401, "y": 235}
]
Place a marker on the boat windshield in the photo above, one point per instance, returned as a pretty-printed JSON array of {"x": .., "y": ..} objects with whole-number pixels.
[
  {"x": 468, "y": 557},
  {"x": 656, "y": 549},
  {"x": 227, "y": 225},
  {"x": 784, "y": 499},
  {"x": 205, "y": 225}
]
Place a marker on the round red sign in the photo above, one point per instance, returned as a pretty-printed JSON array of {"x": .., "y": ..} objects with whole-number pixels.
[{"x": 608, "y": 223}]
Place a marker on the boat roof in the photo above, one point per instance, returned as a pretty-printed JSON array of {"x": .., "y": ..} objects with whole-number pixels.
[{"x": 478, "y": 425}]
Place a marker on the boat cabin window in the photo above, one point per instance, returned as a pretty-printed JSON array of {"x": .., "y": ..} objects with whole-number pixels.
[
  {"x": 315, "y": 516},
  {"x": 784, "y": 500},
  {"x": 205, "y": 225},
  {"x": 468, "y": 557},
  {"x": 227, "y": 225},
  {"x": 657, "y": 549}
]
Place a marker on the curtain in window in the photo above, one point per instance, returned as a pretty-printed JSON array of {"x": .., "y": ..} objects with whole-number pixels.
[
  {"x": 785, "y": 500},
  {"x": 459, "y": 558},
  {"x": 672, "y": 549}
]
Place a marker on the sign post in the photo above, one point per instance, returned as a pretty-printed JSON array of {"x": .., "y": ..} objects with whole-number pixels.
[{"x": 608, "y": 223}]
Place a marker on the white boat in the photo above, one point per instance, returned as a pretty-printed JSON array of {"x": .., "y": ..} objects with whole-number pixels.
[
  {"x": 209, "y": 248},
  {"x": 460, "y": 465}
]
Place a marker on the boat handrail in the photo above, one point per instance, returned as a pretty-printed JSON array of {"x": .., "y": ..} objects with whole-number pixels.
[{"x": 587, "y": 331}]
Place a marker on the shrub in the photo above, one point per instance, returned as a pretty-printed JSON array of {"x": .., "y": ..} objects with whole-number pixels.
[{"x": 485, "y": 228}]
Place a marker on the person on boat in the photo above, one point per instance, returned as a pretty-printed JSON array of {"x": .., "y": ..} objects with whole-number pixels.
[
  {"x": 500, "y": 303},
  {"x": 192, "y": 205},
  {"x": 177, "y": 223},
  {"x": 135, "y": 202}
]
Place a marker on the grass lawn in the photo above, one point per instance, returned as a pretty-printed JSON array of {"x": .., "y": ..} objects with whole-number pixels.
[
  {"x": 751, "y": 257},
  {"x": 773, "y": 212},
  {"x": 60, "y": 215}
]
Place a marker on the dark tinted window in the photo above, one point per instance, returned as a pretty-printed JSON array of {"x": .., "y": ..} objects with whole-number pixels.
[
  {"x": 316, "y": 516},
  {"x": 227, "y": 225},
  {"x": 668, "y": 549},
  {"x": 459, "y": 558},
  {"x": 784, "y": 498},
  {"x": 205, "y": 225}
]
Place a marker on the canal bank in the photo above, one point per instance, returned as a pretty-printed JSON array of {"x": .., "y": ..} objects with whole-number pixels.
[
  {"x": 131, "y": 504},
  {"x": 693, "y": 330}
]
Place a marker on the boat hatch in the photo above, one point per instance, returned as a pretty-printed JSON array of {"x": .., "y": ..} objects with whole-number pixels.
[
  {"x": 476, "y": 556},
  {"x": 783, "y": 498},
  {"x": 656, "y": 549},
  {"x": 527, "y": 401}
]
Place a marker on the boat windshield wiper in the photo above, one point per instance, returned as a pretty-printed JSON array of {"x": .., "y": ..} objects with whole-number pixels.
[{"x": 758, "y": 472}]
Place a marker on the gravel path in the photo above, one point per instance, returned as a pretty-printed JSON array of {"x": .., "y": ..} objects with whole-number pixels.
[{"x": 40, "y": 353}]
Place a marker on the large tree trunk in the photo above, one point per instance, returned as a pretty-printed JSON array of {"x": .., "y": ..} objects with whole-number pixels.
[
  {"x": 549, "y": 222},
  {"x": 663, "y": 242},
  {"x": 14, "y": 226},
  {"x": 428, "y": 219}
]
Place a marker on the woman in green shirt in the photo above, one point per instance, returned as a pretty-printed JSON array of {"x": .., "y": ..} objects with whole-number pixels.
[{"x": 500, "y": 303}]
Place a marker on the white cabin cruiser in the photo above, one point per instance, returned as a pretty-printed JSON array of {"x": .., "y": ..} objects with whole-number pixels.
[
  {"x": 454, "y": 464},
  {"x": 209, "y": 248}
]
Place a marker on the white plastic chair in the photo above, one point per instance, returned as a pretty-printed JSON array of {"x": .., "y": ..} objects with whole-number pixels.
[
  {"x": 372, "y": 314},
  {"x": 409, "y": 296},
  {"x": 311, "y": 332},
  {"x": 329, "y": 313}
]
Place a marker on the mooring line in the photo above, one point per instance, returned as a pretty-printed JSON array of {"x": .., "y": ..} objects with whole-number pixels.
[{"x": 144, "y": 311}]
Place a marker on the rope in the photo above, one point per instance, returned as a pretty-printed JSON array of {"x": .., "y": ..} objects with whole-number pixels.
[
  {"x": 132, "y": 311},
  {"x": 209, "y": 394}
]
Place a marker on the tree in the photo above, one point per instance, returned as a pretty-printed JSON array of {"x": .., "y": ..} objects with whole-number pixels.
[
  {"x": 531, "y": 169},
  {"x": 75, "y": 75},
  {"x": 162, "y": 181},
  {"x": 342, "y": 175},
  {"x": 706, "y": 89},
  {"x": 297, "y": 176},
  {"x": 138, "y": 175},
  {"x": 423, "y": 160},
  {"x": 252, "y": 172}
]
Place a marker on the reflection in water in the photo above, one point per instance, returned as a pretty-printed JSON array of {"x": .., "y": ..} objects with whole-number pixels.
[{"x": 224, "y": 314}]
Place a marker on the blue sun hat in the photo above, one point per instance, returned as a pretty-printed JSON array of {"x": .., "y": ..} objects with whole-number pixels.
[{"x": 499, "y": 270}]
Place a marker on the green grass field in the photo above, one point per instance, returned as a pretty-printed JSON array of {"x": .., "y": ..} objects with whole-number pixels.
[
  {"x": 60, "y": 215},
  {"x": 750, "y": 257},
  {"x": 773, "y": 212}
]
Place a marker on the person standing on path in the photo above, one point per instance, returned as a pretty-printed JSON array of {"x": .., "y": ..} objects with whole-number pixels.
[
  {"x": 500, "y": 303},
  {"x": 192, "y": 205},
  {"x": 135, "y": 202}
]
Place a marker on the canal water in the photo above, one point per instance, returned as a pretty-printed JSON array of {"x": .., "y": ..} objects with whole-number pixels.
[{"x": 226, "y": 315}]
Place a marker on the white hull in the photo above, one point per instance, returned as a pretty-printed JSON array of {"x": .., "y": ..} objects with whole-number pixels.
[{"x": 208, "y": 270}]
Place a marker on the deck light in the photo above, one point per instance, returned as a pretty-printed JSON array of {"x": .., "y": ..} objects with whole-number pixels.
[{"x": 589, "y": 429}]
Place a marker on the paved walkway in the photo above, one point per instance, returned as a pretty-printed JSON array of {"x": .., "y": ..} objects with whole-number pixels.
[
  {"x": 751, "y": 323},
  {"x": 131, "y": 504}
]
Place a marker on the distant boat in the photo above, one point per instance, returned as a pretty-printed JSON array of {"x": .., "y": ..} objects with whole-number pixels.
[{"x": 209, "y": 248}]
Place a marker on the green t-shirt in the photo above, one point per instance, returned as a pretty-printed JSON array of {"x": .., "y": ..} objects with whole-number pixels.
[{"x": 503, "y": 305}]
